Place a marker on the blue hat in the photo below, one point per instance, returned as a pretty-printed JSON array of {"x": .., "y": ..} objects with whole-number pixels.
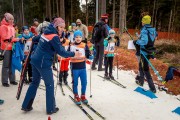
[
  {"x": 24, "y": 28},
  {"x": 73, "y": 24},
  {"x": 78, "y": 33}
]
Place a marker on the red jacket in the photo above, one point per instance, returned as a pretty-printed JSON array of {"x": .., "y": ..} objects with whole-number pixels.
[{"x": 6, "y": 32}]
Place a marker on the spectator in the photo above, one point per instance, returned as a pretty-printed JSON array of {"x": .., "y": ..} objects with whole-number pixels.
[{"x": 84, "y": 30}]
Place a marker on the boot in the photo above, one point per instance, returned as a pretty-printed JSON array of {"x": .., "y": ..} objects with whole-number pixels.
[
  {"x": 83, "y": 99},
  {"x": 106, "y": 76},
  {"x": 77, "y": 99},
  {"x": 150, "y": 81},
  {"x": 111, "y": 76},
  {"x": 138, "y": 80},
  {"x": 56, "y": 109},
  {"x": 61, "y": 77},
  {"x": 65, "y": 77}
]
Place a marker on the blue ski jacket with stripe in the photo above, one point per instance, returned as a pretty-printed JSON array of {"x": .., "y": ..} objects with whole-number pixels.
[{"x": 49, "y": 44}]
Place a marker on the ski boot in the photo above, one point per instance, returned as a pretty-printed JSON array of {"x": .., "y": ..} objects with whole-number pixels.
[
  {"x": 111, "y": 76},
  {"x": 77, "y": 99},
  {"x": 83, "y": 99},
  {"x": 106, "y": 76},
  {"x": 65, "y": 77},
  {"x": 138, "y": 80},
  {"x": 60, "y": 77},
  {"x": 56, "y": 109}
]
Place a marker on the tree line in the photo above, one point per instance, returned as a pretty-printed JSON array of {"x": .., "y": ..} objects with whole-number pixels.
[{"x": 122, "y": 13}]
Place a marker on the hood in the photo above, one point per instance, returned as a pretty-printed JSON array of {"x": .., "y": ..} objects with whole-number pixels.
[
  {"x": 78, "y": 20},
  {"x": 4, "y": 22},
  {"x": 151, "y": 30},
  {"x": 50, "y": 30}
]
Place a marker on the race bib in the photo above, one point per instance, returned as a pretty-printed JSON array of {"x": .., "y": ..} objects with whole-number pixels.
[
  {"x": 27, "y": 46},
  {"x": 111, "y": 47}
]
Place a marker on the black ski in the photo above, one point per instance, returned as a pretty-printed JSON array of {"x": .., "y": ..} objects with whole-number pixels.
[
  {"x": 114, "y": 82},
  {"x": 23, "y": 72},
  {"x": 69, "y": 88},
  {"x": 62, "y": 90},
  {"x": 91, "y": 108},
  {"x": 80, "y": 106}
]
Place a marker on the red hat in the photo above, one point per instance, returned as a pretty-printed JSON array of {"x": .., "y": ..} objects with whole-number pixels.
[{"x": 105, "y": 16}]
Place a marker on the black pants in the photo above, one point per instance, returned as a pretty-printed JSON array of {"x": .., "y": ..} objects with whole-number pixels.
[
  {"x": 144, "y": 71},
  {"x": 99, "y": 56},
  {"x": 108, "y": 64}
]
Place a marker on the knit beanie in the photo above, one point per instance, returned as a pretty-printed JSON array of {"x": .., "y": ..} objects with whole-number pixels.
[
  {"x": 24, "y": 28},
  {"x": 58, "y": 22},
  {"x": 73, "y": 24},
  {"x": 111, "y": 31},
  {"x": 8, "y": 16},
  {"x": 77, "y": 33},
  {"x": 146, "y": 19}
]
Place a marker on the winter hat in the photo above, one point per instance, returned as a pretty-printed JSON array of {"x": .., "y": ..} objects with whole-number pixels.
[
  {"x": 104, "y": 16},
  {"x": 146, "y": 19},
  {"x": 47, "y": 19},
  {"x": 35, "y": 20},
  {"x": 78, "y": 33},
  {"x": 58, "y": 22},
  {"x": 73, "y": 24},
  {"x": 111, "y": 31},
  {"x": 8, "y": 16},
  {"x": 24, "y": 28}
]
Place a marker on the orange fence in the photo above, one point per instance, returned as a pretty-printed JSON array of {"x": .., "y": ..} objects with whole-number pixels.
[{"x": 161, "y": 35}]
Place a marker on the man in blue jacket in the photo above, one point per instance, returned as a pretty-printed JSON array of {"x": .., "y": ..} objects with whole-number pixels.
[
  {"x": 41, "y": 60},
  {"x": 145, "y": 43}
]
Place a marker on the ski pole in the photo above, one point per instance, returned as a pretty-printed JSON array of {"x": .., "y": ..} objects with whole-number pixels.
[
  {"x": 90, "y": 79},
  {"x": 57, "y": 75},
  {"x": 155, "y": 71},
  {"x": 117, "y": 65},
  {"x": 128, "y": 33}
]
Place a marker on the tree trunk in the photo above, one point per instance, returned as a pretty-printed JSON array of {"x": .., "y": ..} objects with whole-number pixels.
[
  {"x": 57, "y": 8},
  {"x": 154, "y": 7},
  {"x": 157, "y": 7},
  {"x": 103, "y": 7},
  {"x": 114, "y": 13},
  {"x": 22, "y": 6},
  {"x": 62, "y": 10},
  {"x": 170, "y": 19},
  {"x": 48, "y": 8},
  {"x": 122, "y": 13},
  {"x": 125, "y": 21},
  {"x": 87, "y": 13}
]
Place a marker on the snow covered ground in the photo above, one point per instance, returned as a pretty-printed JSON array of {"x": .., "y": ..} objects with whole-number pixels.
[{"x": 112, "y": 101}]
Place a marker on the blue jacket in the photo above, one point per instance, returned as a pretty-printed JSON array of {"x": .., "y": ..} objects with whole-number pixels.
[
  {"x": 42, "y": 57},
  {"x": 17, "y": 57},
  {"x": 26, "y": 37},
  {"x": 146, "y": 29}
]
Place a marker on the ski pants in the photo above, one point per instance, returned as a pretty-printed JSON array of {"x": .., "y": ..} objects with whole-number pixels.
[
  {"x": 6, "y": 72},
  {"x": 144, "y": 71},
  {"x": 83, "y": 77},
  {"x": 47, "y": 76},
  {"x": 99, "y": 56},
  {"x": 108, "y": 64}
]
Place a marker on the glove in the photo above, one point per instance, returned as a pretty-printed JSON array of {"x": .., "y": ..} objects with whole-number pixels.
[
  {"x": 91, "y": 57},
  {"x": 109, "y": 38}
]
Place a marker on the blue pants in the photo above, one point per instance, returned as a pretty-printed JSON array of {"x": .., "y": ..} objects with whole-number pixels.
[
  {"x": 47, "y": 76},
  {"x": 83, "y": 77}
]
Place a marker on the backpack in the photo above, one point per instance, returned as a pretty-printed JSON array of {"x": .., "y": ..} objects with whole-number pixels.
[
  {"x": 149, "y": 48},
  {"x": 97, "y": 32}
]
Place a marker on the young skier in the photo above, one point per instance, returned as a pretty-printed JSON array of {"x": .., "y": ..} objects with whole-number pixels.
[
  {"x": 79, "y": 66},
  {"x": 109, "y": 47},
  {"x": 26, "y": 40},
  {"x": 64, "y": 63},
  {"x": 41, "y": 61}
]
